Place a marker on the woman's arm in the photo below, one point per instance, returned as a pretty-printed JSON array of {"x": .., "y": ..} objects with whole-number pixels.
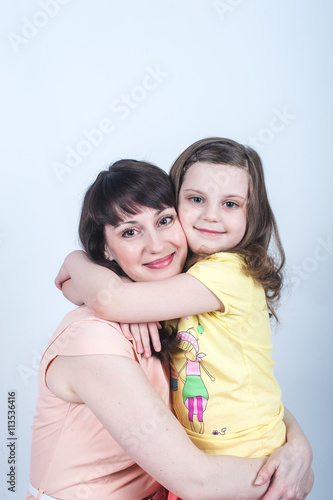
[
  {"x": 290, "y": 465},
  {"x": 147, "y": 430},
  {"x": 105, "y": 293}
]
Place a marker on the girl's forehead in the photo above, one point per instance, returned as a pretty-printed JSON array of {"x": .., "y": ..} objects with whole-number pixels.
[{"x": 212, "y": 175}]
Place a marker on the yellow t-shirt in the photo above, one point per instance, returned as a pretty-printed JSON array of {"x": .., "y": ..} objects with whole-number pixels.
[{"x": 224, "y": 391}]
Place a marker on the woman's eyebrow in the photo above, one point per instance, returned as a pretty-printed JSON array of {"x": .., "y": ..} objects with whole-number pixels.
[
  {"x": 157, "y": 213},
  {"x": 126, "y": 222}
]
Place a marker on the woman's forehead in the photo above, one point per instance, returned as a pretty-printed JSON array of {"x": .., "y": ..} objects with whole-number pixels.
[{"x": 139, "y": 212}]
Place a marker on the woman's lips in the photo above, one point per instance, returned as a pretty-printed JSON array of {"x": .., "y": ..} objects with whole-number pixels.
[{"x": 160, "y": 263}]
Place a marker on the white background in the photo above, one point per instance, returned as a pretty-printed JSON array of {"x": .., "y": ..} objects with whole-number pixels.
[{"x": 226, "y": 69}]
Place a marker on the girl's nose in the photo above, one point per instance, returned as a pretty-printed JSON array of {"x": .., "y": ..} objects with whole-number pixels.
[{"x": 213, "y": 213}]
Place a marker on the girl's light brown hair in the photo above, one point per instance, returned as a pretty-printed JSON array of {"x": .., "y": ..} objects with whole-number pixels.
[{"x": 261, "y": 230}]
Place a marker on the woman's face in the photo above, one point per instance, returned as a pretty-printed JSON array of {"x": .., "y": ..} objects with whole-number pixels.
[{"x": 149, "y": 245}]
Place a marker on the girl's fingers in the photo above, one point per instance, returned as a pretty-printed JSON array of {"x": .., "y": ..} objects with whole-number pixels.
[
  {"x": 61, "y": 277},
  {"x": 154, "y": 335},
  {"x": 144, "y": 333},
  {"x": 125, "y": 328},
  {"x": 135, "y": 332}
]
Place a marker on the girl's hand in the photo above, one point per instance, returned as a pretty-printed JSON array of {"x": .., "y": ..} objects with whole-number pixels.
[
  {"x": 62, "y": 276},
  {"x": 141, "y": 332},
  {"x": 64, "y": 282},
  {"x": 289, "y": 468}
]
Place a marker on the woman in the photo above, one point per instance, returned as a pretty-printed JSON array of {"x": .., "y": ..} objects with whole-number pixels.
[{"x": 103, "y": 428}]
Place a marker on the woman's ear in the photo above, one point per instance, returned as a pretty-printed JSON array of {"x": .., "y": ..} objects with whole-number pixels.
[{"x": 107, "y": 254}]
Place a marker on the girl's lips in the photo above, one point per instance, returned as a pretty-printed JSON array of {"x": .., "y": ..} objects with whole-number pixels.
[
  {"x": 160, "y": 263},
  {"x": 208, "y": 232}
]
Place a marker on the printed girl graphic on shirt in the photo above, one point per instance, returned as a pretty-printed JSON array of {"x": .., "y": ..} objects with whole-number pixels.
[{"x": 195, "y": 394}]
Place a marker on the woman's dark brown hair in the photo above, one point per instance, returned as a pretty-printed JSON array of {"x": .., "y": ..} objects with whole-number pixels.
[
  {"x": 126, "y": 187},
  {"x": 261, "y": 227}
]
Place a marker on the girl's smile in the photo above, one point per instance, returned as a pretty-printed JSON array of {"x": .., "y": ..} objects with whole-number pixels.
[{"x": 208, "y": 232}]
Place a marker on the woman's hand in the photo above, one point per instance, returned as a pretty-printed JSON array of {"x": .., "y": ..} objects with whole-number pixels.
[
  {"x": 289, "y": 467},
  {"x": 292, "y": 478},
  {"x": 141, "y": 333}
]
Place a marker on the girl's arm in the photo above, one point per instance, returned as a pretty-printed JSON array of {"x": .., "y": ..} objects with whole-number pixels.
[
  {"x": 147, "y": 430},
  {"x": 141, "y": 332},
  {"x": 105, "y": 293}
]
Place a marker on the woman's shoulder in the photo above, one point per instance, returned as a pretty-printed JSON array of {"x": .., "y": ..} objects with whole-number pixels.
[
  {"x": 82, "y": 332},
  {"x": 83, "y": 313}
]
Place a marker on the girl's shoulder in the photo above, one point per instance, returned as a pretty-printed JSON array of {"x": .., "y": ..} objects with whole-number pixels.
[
  {"x": 218, "y": 267},
  {"x": 219, "y": 257},
  {"x": 226, "y": 257}
]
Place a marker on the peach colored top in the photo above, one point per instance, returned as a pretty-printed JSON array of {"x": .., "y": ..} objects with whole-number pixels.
[{"x": 72, "y": 455}]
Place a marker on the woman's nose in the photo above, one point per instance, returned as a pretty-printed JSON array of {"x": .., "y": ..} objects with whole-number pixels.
[{"x": 154, "y": 241}]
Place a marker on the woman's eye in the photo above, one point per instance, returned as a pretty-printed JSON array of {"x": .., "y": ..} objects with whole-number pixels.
[
  {"x": 196, "y": 199},
  {"x": 128, "y": 233},
  {"x": 230, "y": 204},
  {"x": 166, "y": 220}
]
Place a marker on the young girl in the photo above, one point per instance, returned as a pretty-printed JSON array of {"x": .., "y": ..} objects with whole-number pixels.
[{"x": 226, "y": 396}]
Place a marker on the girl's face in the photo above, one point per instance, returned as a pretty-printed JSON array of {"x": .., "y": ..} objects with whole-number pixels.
[
  {"x": 212, "y": 206},
  {"x": 149, "y": 245}
]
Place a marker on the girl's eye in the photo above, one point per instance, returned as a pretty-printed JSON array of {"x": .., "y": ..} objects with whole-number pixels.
[
  {"x": 166, "y": 220},
  {"x": 196, "y": 199},
  {"x": 230, "y": 204},
  {"x": 128, "y": 233}
]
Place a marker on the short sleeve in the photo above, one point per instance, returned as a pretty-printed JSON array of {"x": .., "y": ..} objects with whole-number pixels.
[
  {"x": 222, "y": 274},
  {"x": 89, "y": 337}
]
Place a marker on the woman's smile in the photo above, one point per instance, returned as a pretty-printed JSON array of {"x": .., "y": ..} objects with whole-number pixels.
[
  {"x": 161, "y": 263},
  {"x": 150, "y": 247}
]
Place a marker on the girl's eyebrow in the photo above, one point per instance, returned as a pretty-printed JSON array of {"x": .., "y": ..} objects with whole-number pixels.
[
  {"x": 224, "y": 196},
  {"x": 195, "y": 190},
  {"x": 235, "y": 196}
]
